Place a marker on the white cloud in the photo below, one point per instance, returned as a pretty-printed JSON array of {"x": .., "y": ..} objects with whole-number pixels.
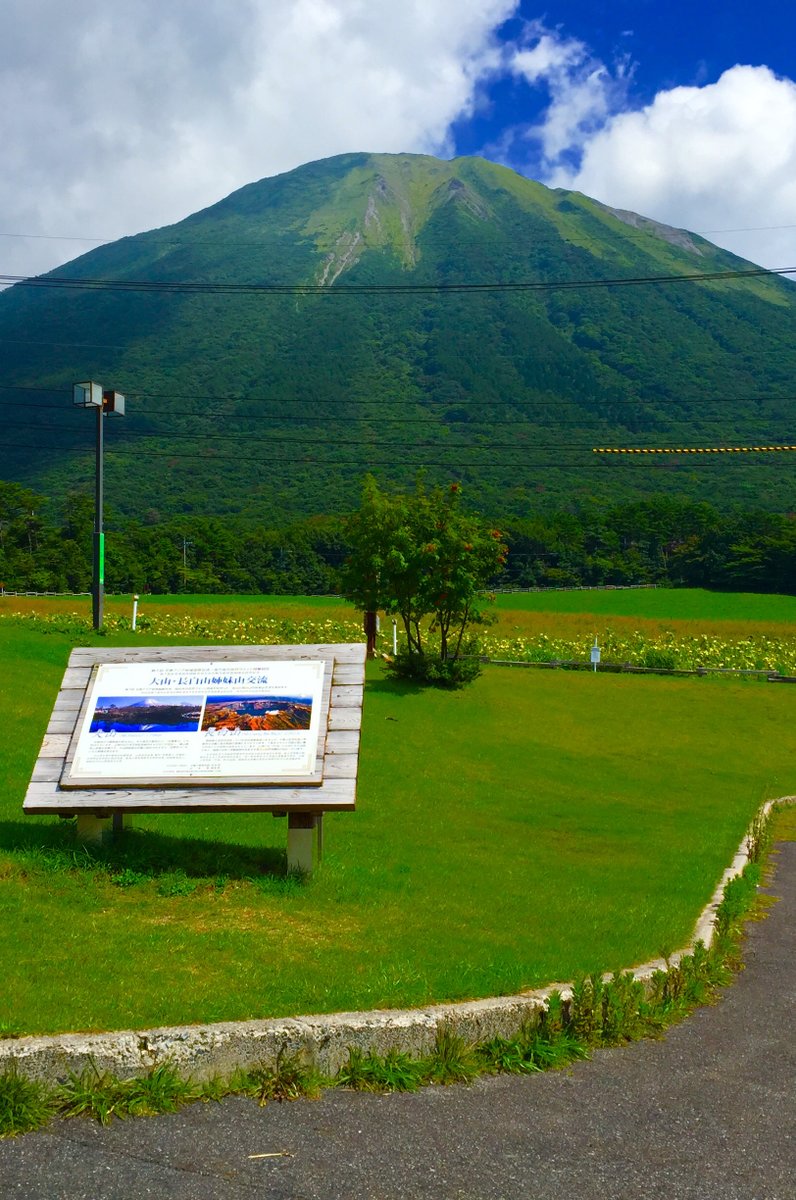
[
  {"x": 116, "y": 118},
  {"x": 582, "y": 92},
  {"x": 712, "y": 158},
  {"x": 719, "y": 158}
]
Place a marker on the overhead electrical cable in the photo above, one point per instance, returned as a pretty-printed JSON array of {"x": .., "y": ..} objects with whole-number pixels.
[
  {"x": 458, "y": 402},
  {"x": 152, "y": 235},
  {"x": 166, "y": 287},
  {"x": 442, "y": 432},
  {"x": 370, "y": 427},
  {"x": 579, "y": 457}
]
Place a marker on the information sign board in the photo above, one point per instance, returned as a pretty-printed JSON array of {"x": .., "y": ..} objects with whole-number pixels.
[
  {"x": 206, "y": 723},
  {"x": 178, "y": 729}
]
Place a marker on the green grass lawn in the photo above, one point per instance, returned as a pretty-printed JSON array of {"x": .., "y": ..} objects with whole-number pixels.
[
  {"x": 656, "y": 604},
  {"x": 532, "y": 827},
  {"x": 667, "y": 604}
]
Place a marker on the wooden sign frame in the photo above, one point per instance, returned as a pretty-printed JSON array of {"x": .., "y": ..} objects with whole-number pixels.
[{"x": 339, "y": 742}]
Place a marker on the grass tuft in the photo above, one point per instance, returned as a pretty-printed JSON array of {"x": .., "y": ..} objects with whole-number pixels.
[
  {"x": 25, "y": 1104},
  {"x": 395, "y": 1072},
  {"x": 163, "y": 1090},
  {"x": 453, "y": 1060},
  {"x": 290, "y": 1079},
  {"x": 91, "y": 1093},
  {"x": 101, "y": 1096}
]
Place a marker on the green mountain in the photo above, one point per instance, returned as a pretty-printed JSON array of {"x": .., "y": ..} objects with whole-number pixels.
[{"x": 272, "y": 403}]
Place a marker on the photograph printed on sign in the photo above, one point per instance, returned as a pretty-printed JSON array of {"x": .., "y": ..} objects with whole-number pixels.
[
  {"x": 147, "y": 714},
  {"x": 252, "y": 713}
]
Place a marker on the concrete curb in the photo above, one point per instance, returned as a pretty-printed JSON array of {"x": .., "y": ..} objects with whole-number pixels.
[{"x": 323, "y": 1040}]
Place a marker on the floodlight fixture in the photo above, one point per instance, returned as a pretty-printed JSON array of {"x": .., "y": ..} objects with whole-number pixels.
[
  {"x": 113, "y": 404},
  {"x": 87, "y": 395}
]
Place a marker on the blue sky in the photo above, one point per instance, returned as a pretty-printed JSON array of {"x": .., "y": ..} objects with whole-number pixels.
[
  {"x": 680, "y": 43},
  {"x": 118, "y": 118}
]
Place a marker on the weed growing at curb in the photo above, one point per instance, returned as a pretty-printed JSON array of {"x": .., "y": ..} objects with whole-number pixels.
[
  {"x": 452, "y": 1060},
  {"x": 395, "y": 1072},
  {"x": 290, "y": 1079},
  {"x": 102, "y": 1096},
  {"x": 533, "y": 1049},
  {"x": 25, "y": 1104},
  {"x": 596, "y": 1012}
]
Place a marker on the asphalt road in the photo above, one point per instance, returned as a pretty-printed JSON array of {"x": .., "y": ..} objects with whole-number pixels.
[{"x": 706, "y": 1114}]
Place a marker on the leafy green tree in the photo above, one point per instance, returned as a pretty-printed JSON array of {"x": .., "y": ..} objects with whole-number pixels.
[{"x": 420, "y": 557}]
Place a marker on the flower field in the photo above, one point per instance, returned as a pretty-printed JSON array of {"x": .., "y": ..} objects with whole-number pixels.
[
  {"x": 661, "y": 650},
  {"x": 541, "y": 638},
  {"x": 183, "y": 627}
]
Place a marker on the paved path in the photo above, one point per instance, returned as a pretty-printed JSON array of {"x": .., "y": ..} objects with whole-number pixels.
[{"x": 706, "y": 1114}]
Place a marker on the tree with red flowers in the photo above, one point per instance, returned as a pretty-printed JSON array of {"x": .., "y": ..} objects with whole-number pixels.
[{"x": 421, "y": 558}]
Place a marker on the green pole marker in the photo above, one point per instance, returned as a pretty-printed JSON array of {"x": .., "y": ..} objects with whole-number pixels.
[{"x": 101, "y": 565}]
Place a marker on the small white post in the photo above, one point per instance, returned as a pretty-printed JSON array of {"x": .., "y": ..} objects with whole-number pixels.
[
  {"x": 135, "y": 610},
  {"x": 394, "y": 635},
  {"x": 595, "y": 654}
]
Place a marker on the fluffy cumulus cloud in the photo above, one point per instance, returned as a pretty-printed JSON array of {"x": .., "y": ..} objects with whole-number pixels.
[
  {"x": 121, "y": 117},
  {"x": 717, "y": 158},
  {"x": 581, "y": 91}
]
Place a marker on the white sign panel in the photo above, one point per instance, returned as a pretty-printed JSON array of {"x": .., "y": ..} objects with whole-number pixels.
[{"x": 197, "y": 723}]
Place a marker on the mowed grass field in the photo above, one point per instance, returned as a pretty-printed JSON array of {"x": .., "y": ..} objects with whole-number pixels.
[{"x": 533, "y": 827}]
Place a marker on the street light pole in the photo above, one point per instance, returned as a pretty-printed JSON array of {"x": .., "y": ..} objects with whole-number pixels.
[
  {"x": 92, "y": 395},
  {"x": 98, "y": 556}
]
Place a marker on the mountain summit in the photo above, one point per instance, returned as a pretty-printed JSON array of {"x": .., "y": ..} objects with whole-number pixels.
[{"x": 391, "y": 312}]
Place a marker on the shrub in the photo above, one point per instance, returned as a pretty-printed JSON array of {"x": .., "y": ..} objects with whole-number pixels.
[{"x": 435, "y": 672}]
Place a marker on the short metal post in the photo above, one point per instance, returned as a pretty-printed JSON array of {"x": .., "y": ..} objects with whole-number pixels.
[{"x": 135, "y": 611}]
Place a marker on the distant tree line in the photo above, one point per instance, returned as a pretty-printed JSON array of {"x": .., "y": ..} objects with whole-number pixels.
[{"x": 658, "y": 540}]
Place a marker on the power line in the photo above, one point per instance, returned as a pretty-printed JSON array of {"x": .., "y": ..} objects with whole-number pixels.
[
  {"x": 59, "y": 237},
  {"x": 69, "y": 345},
  {"x": 259, "y": 457},
  {"x": 151, "y": 236},
  {"x": 452, "y": 403},
  {"x": 332, "y": 443},
  {"x": 365, "y": 462},
  {"x": 442, "y": 431},
  {"x": 167, "y": 287},
  {"x": 313, "y": 440}
]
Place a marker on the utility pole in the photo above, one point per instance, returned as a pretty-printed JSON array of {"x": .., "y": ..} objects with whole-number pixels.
[
  {"x": 98, "y": 540},
  {"x": 92, "y": 395}
]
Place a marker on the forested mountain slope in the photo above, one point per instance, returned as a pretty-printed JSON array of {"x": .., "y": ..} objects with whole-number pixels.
[{"x": 272, "y": 403}]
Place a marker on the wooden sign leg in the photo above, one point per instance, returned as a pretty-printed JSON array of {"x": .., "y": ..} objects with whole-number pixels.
[
  {"x": 304, "y": 834},
  {"x": 91, "y": 827}
]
